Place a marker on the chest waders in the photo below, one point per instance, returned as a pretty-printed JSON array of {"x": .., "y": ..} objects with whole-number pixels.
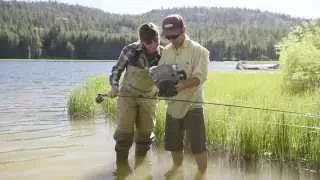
[
  {"x": 136, "y": 116},
  {"x": 138, "y": 82}
]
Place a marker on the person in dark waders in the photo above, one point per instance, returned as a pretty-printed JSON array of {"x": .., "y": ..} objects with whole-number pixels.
[{"x": 136, "y": 116}]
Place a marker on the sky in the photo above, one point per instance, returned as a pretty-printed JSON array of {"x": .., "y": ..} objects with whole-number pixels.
[{"x": 295, "y": 8}]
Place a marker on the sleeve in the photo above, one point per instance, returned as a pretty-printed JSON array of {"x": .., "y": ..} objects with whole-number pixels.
[
  {"x": 200, "y": 65},
  {"x": 121, "y": 64}
]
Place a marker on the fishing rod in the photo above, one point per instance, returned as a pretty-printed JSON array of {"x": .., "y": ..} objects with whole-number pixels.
[{"x": 100, "y": 99}]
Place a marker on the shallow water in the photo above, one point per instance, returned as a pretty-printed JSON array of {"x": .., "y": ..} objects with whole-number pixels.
[{"x": 39, "y": 141}]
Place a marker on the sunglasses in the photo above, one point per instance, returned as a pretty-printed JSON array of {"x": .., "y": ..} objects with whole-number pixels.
[{"x": 172, "y": 36}]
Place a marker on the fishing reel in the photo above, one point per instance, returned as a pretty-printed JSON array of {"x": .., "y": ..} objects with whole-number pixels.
[
  {"x": 100, "y": 98},
  {"x": 166, "y": 77}
]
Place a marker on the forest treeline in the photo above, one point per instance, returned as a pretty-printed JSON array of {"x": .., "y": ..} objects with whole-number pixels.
[{"x": 58, "y": 30}]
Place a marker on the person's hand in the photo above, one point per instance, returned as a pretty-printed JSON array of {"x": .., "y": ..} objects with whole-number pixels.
[
  {"x": 113, "y": 92},
  {"x": 180, "y": 86},
  {"x": 167, "y": 89},
  {"x": 186, "y": 84}
]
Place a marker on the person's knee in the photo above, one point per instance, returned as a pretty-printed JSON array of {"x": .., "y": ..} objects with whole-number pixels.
[
  {"x": 143, "y": 142},
  {"x": 197, "y": 142},
  {"x": 143, "y": 138},
  {"x": 173, "y": 141},
  {"x": 123, "y": 140},
  {"x": 199, "y": 147},
  {"x": 173, "y": 145}
]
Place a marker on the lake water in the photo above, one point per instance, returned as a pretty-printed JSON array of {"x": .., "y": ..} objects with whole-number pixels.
[{"x": 39, "y": 141}]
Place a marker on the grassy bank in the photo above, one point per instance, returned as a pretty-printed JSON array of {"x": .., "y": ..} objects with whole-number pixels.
[{"x": 244, "y": 131}]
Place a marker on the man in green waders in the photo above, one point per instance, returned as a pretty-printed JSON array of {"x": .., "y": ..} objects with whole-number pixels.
[{"x": 136, "y": 115}]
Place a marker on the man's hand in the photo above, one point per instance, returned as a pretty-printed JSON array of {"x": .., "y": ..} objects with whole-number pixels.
[
  {"x": 113, "y": 92},
  {"x": 179, "y": 87},
  {"x": 167, "y": 89},
  {"x": 189, "y": 83}
]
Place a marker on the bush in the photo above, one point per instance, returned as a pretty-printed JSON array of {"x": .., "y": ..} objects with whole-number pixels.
[{"x": 300, "y": 59}]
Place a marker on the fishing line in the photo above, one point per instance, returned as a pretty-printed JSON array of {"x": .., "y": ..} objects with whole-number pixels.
[{"x": 100, "y": 97}]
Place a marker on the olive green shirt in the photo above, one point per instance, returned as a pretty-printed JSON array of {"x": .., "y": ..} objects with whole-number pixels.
[{"x": 193, "y": 59}]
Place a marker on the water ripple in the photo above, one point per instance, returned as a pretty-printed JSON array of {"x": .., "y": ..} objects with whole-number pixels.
[{"x": 41, "y": 148}]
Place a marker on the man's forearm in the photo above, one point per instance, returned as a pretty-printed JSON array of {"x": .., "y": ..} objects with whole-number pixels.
[
  {"x": 114, "y": 77},
  {"x": 116, "y": 73},
  {"x": 189, "y": 83}
]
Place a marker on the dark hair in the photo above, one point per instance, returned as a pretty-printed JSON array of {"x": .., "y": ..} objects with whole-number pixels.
[{"x": 148, "y": 32}]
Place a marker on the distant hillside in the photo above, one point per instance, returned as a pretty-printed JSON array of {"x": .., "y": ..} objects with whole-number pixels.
[{"x": 50, "y": 29}]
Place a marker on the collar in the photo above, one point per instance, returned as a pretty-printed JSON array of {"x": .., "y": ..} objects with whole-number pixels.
[
  {"x": 159, "y": 51},
  {"x": 186, "y": 41},
  {"x": 140, "y": 47}
]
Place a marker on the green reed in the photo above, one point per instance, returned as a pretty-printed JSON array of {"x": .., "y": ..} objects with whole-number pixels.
[{"x": 247, "y": 132}]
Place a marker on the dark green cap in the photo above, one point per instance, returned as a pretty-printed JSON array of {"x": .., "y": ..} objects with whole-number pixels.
[{"x": 148, "y": 32}]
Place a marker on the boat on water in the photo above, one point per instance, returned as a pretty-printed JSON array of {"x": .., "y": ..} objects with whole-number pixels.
[{"x": 242, "y": 65}]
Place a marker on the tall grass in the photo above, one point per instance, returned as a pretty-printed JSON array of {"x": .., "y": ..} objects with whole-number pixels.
[
  {"x": 247, "y": 131},
  {"x": 81, "y": 102},
  {"x": 242, "y": 131}
]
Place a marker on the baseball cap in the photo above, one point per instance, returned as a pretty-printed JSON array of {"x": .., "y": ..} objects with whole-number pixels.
[
  {"x": 172, "y": 25},
  {"x": 148, "y": 32}
]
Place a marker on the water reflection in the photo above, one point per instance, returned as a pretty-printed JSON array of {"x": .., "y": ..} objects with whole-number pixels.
[
  {"x": 173, "y": 174},
  {"x": 83, "y": 127},
  {"x": 136, "y": 168}
]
